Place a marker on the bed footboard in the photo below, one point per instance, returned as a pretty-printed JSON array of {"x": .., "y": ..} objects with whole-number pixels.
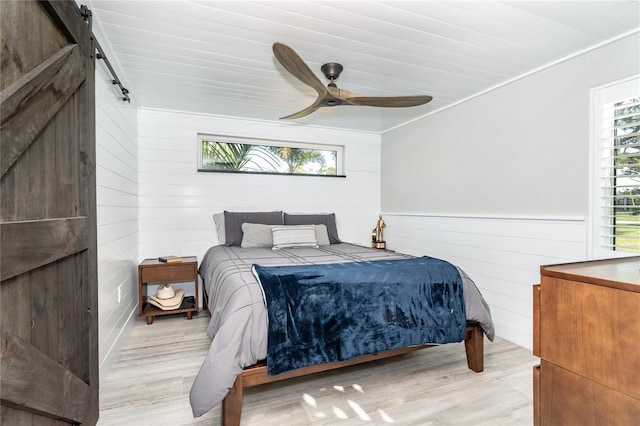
[{"x": 257, "y": 374}]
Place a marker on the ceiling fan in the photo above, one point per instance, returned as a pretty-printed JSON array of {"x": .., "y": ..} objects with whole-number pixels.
[{"x": 330, "y": 95}]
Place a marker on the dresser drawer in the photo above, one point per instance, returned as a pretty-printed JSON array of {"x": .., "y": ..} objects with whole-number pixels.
[
  {"x": 567, "y": 398},
  {"x": 590, "y": 330}
]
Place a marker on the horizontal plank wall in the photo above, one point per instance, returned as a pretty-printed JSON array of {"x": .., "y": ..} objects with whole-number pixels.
[
  {"x": 177, "y": 203},
  {"x": 117, "y": 210},
  {"x": 502, "y": 255}
]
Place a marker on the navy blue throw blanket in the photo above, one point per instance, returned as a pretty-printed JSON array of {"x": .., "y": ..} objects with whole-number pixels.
[{"x": 334, "y": 312}]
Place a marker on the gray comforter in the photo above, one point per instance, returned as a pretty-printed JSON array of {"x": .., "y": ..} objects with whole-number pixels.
[{"x": 239, "y": 321}]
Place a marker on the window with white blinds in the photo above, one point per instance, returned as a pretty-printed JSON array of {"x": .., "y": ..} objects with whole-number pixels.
[{"x": 616, "y": 198}]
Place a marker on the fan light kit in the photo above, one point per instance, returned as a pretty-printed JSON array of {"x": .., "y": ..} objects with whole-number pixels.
[{"x": 329, "y": 96}]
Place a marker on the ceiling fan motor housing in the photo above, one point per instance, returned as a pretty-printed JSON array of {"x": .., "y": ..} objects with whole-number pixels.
[
  {"x": 331, "y": 70},
  {"x": 332, "y": 101}
]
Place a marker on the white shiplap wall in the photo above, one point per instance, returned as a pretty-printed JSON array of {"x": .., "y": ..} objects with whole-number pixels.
[
  {"x": 117, "y": 211},
  {"x": 177, "y": 202},
  {"x": 501, "y": 254}
]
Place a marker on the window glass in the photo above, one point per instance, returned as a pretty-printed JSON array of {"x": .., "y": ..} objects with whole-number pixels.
[
  {"x": 224, "y": 154},
  {"x": 616, "y": 184}
]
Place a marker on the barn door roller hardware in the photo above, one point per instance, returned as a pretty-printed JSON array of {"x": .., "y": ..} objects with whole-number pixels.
[{"x": 87, "y": 16}]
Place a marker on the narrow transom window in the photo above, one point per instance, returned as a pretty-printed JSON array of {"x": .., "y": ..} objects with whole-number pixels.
[{"x": 242, "y": 155}]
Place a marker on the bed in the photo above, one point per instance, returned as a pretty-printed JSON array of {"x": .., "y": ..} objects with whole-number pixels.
[{"x": 239, "y": 325}]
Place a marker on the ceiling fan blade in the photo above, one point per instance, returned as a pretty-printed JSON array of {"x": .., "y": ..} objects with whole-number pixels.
[
  {"x": 303, "y": 113},
  {"x": 293, "y": 63},
  {"x": 389, "y": 101},
  {"x": 342, "y": 93}
]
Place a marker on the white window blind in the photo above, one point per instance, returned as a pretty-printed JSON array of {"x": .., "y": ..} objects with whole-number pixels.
[{"x": 617, "y": 163}]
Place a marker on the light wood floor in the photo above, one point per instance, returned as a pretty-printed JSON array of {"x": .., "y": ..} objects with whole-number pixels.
[{"x": 150, "y": 382}]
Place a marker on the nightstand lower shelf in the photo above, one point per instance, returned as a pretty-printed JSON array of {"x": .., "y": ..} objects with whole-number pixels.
[{"x": 151, "y": 311}]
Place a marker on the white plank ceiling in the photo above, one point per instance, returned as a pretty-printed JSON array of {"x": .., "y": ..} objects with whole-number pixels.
[{"x": 215, "y": 57}]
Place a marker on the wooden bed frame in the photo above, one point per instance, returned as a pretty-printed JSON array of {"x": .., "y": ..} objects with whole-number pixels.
[{"x": 257, "y": 374}]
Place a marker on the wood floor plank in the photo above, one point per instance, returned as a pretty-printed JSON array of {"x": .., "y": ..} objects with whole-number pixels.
[{"x": 150, "y": 382}]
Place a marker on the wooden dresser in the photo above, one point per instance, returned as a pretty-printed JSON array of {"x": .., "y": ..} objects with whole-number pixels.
[{"x": 586, "y": 333}]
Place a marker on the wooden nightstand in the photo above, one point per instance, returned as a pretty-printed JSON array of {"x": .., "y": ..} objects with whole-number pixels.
[{"x": 154, "y": 271}]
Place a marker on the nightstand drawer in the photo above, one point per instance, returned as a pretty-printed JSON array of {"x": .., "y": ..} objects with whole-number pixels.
[{"x": 168, "y": 273}]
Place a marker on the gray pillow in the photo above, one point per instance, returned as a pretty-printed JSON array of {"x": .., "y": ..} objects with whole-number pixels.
[
  {"x": 329, "y": 220},
  {"x": 256, "y": 235},
  {"x": 233, "y": 223}
]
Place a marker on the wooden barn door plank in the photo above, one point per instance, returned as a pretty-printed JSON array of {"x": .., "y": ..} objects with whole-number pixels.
[
  {"x": 29, "y": 245},
  {"x": 30, "y": 103},
  {"x": 48, "y": 272},
  {"x": 34, "y": 382},
  {"x": 66, "y": 16}
]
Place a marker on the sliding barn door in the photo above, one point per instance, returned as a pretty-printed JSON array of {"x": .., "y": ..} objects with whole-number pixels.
[{"x": 48, "y": 317}]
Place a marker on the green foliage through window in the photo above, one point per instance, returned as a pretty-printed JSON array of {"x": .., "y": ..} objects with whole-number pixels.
[
  {"x": 614, "y": 213},
  {"x": 249, "y": 156},
  {"x": 626, "y": 175}
]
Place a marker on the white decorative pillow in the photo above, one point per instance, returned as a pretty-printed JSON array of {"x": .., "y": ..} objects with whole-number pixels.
[
  {"x": 218, "y": 220},
  {"x": 255, "y": 235},
  {"x": 322, "y": 235},
  {"x": 293, "y": 236}
]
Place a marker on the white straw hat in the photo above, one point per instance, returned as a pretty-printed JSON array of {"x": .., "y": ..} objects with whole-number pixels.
[
  {"x": 168, "y": 304},
  {"x": 165, "y": 292}
]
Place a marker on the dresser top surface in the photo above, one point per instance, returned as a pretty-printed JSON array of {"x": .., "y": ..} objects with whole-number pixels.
[{"x": 622, "y": 273}]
